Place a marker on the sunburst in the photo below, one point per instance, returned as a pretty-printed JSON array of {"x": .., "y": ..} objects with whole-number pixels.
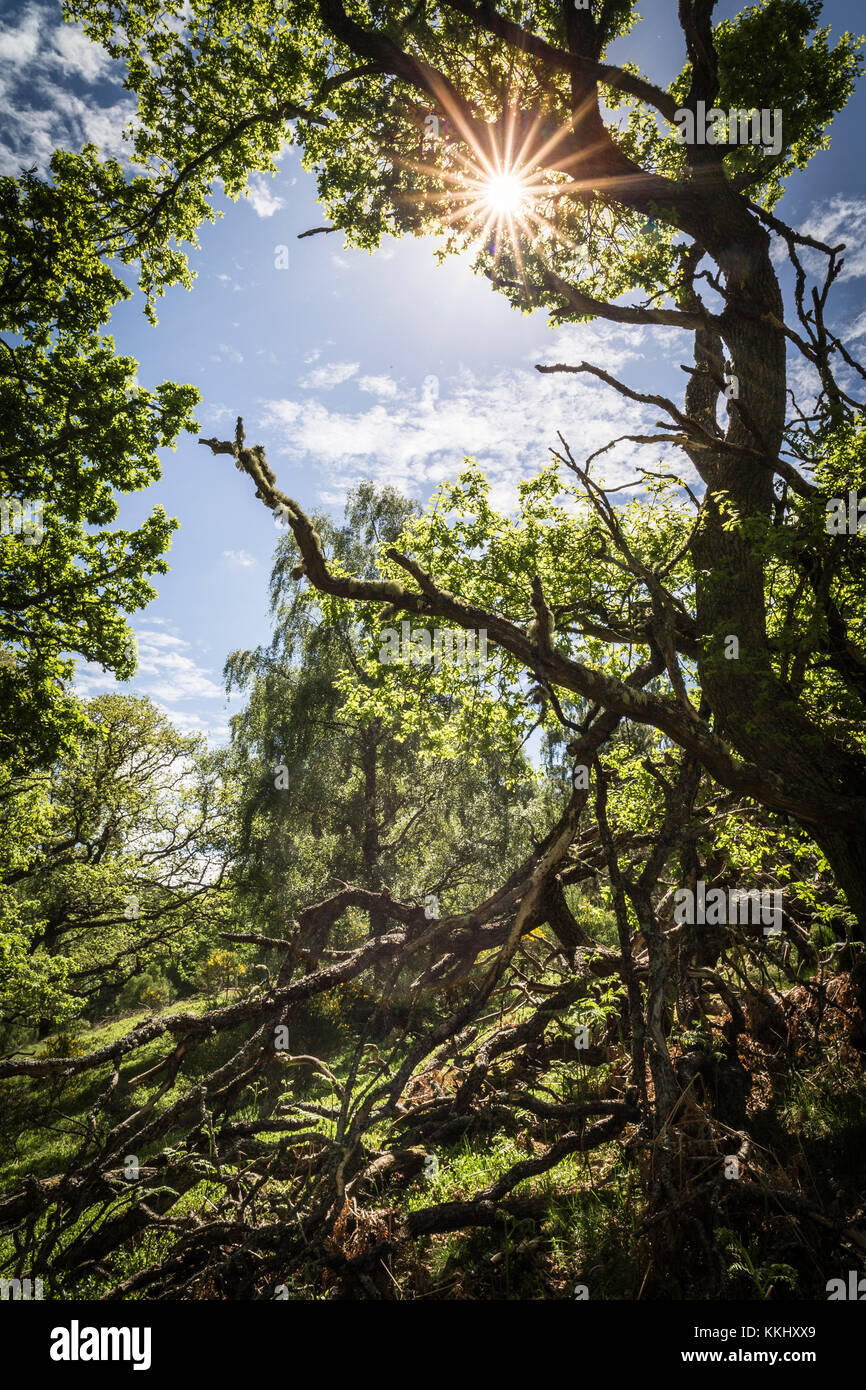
[
  {"x": 495, "y": 195},
  {"x": 506, "y": 194}
]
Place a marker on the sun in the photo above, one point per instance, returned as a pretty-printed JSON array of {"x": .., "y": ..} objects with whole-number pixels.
[
  {"x": 505, "y": 194},
  {"x": 497, "y": 191}
]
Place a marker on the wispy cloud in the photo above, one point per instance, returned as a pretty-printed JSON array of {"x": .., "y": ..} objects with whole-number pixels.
[
  {"x": 216, "y": 731},
  {"x": 262, "y": 200},
  {"x": 78, "y": 56},
  {"x": 858, "y": 327},
  {"x": 38, "y": 56},
  {"x": 330, "y": 375},
  {"x": 384, "y": 386},
  {"x": 839, "y": 219},
  {"x": 166, "y": 671},
  {"x": 239, "y": 557},
  {"x": 33, "y": 133},
  {"x": 419, "y": 433},
  {"x": 19, "y": 43},
  {"x": 609, "y": 343},
  {"x": 227, "y": 354}
]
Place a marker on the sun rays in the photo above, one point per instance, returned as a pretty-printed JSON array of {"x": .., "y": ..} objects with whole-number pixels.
[
  {"x": 505, "y": 194},
  {"x": 499, "y": 184}
]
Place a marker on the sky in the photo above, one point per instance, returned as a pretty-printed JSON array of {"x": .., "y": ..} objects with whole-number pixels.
[{"x": 347, "y": 365}]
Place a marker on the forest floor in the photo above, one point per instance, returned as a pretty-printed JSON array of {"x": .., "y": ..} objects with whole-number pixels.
[{"x": 807, "y": 1136}]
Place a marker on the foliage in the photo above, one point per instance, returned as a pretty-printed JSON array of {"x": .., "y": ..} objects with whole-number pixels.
[
  {"x": 444, "y": 1028},
  {"x": 78, "y": 429}
]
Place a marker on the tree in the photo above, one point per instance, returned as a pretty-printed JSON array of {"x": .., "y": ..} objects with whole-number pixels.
[
  {"x": 114, "y": 861},
  {"x": 691, "y": 659},
  {"x": 526, "y": 97},
  {"x": 77, "y": 429},
  {"x": 336, "y": 782}
]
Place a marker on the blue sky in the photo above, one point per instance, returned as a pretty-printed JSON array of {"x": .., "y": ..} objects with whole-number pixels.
[{"x": 348, "y": 365}]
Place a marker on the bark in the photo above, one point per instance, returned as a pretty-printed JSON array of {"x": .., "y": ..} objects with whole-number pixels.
[{"x": 752, "y": 708}]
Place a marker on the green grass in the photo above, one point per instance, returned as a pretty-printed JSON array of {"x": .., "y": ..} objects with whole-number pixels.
[{"x": 48, "y": 1131}]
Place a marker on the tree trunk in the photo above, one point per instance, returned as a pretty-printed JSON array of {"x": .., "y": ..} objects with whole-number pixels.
[{"x": 752, "y": 708}]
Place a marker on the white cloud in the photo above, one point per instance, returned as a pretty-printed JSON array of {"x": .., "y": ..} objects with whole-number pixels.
[
  {"x": 803, "y": 381},
  {"x": 384, "y": 386},
  {"x": 227, "y": 354},
  {"x": 217, "y": 732},
  {"x": 327, "y": 377},
  {"x": 507, "y": 421},
  {"x": 609, "y": 343},
  {"x": 165, "y": 672},
  {"x": 839, "y": 219},
  {"x": 217, "y": 412},
  {"x": 240, "y": 557},
  {"x": 79, "y": 56},
  {"x": 32, "y": 134},
  {"x": 264, "y": 202},
  {"x": 37, "y": 57},
  {"x": 20, "y": 44},
  {"x": 858, "y": 327}
]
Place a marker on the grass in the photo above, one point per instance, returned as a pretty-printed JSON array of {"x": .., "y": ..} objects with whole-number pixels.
[
  {"x": 49, "y": 1113},
  {"x": 814, "y": 1117}
]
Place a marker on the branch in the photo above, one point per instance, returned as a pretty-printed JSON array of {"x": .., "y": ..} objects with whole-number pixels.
[
  {"x": 696, "y": 434},
  {"x": 614, "y": 695},
  {"x": 485, "y": 17}
]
